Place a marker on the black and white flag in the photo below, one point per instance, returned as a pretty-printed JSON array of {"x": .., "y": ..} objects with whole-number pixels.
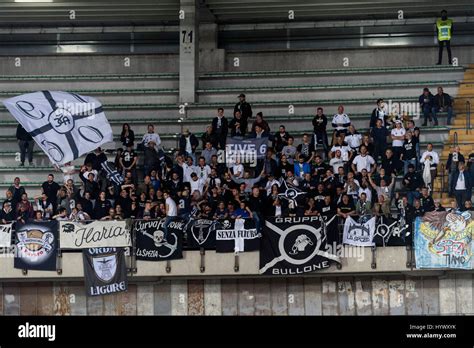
[
  {"x": 201, "y": 233},
  {"x": 152, "y": 244},
  {"x": 6, "y": 235},
  {"x": 237, "y": 236},
  {"x": 391, "y": 232},
  {"x": 332, "y": 231},
  {"x": 359, "y": 234},
  {"x": 294, "y": 245},
  {"x": 105, "y": 271},
  {"x": 292, "y": 194},
  {"x": 36, "y": 246},
  {"x": 65, "y": 125},
  {"x": 111, "y": 173}
]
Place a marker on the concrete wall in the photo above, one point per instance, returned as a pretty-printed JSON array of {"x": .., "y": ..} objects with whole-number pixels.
[
  {"x": 379, "y": 57},
  {"x": 89, "y": 64},
  {"x": 381, "y": 295}
]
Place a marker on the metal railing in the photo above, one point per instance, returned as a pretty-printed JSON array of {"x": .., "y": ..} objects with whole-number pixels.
[
  {"x": 443, "y": 169},
  {"x": 468, "y": 116},
  {"x": 456, "y": 141}
]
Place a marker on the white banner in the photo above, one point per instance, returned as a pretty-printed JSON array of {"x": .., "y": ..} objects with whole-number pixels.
[
  {"x": 358, "y": 234},
  {"x": 6, "y": 235},
  {"x": 65, "y": 125},
  {"x": 97, "y": 234}
]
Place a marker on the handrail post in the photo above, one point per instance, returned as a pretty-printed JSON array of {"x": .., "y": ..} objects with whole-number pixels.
[
  {"x": 468, "y": 116},
  {"x": 442, "y": 178}
]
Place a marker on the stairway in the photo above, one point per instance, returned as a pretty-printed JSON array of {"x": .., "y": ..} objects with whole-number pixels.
[{"x": 459, "y": 133}]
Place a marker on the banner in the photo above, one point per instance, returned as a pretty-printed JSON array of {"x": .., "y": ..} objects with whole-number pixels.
[
  {"x": 236, "y": 236},
  {"x": 64, "y": 125},
  {"x": 6, "y": 235},
  {"x": 333, "y": 238},
  {"x": 444, "y": 240},
  {"x": 358, "y": 234},
  {"x": 151, "y": 242},
  {"x": 246, "y": 150},
  {"x": 36, "y": 246},
  {"x": 201, "y": 233},
  {"x": 294, "y": 245},
  {"x": 97, "y": 234},
  {"x": 104, "y": 271},
  {"x": 391, "y": 232}
]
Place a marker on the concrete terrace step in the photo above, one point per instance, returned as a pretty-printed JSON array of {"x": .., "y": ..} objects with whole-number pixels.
[
  {"x": 207, "y": 119},
  {"x": 328, "y": 86},
  {"x": 343, "y": 71}
]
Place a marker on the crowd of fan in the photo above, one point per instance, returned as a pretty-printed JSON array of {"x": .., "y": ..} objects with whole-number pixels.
[{"x": 349, "y": 174}]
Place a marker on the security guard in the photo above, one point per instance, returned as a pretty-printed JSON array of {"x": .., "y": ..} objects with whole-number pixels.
[{"x": 444, "y": 28}]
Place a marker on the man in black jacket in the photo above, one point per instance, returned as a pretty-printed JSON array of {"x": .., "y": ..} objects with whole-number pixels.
[
  {"x": 320, "y": 136},
  {"x": 220, "y": 127},
  {"x": 188, "y": 144},
  {"x": 443, "y": 103},
  {"x": 379, "y": 113},
  {"x": 244, "y": 108},
  {"x": 26, "y": 144},
  {"x": 238, "y": 126},
  {"x": 413, "y": 183},
  {"x": 461, "y": 185}
]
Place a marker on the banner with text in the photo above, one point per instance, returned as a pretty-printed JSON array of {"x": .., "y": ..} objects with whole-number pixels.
[
  {"x": 105, "y": 271},
  {"x": 245, "y": 150},
  {"x": 153, "y": 245},
  {"x": 236, "y": 236},
  {"x": 36, "y": 245},
  {"x": 444, "y": 240},
  {"x": 294, "y": 245},
  {"x": 358, "y": 234},
  {"x": 97, "y": 234}
]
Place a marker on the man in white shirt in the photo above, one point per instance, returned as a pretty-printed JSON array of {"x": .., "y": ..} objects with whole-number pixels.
[
  {"x": 433, "y": 158},
  {"x": 336, "y": 161},
  {"x": 197, "y": 184},
  {"x": 151, "y": 136},
  {"x": 353, "y": 138},
  {"x": 188, "y": 169},
  {"x": 363, "y": 161},
  {"x": 341, "y": 121},
  {"x": 342, "y": 146},
  {"x": 203, "y": 170},
  {"x": 398, "y": 138},
  {"x": 171, "y": 212},
  {"x": 238, "y": 169},
  {"x": 270, "y": 182}
]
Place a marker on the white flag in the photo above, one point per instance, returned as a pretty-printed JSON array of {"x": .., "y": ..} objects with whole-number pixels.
[
  {"x": 358, "y": 234},
  {"x": 65, "y": 125},
  {"x": 5, "y": 235}
]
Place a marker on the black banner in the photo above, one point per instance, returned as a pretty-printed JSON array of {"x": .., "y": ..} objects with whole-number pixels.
[
  {"x": 236, "y": 236},
  {"x": 152, "y": 244},
  {"x": 36, "y": 246},
  {"x": 295, "y": 245},
  {"x": 391, "y": 232},
  {"x": 201, "y": 233},
  {"x": 105, "y": 271}
]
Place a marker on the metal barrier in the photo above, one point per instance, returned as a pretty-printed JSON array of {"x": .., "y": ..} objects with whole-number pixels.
[
  {"x": 443, "y": 169},
  {"x": 468, "y": 116}
]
